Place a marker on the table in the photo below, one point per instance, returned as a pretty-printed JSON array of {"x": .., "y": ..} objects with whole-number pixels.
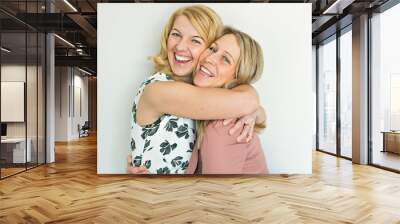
[
  {"x": 17, "y": 150},
  {"x": 391, "y": 141}
]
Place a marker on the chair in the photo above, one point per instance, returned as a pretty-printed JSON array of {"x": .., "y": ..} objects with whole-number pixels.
[{"x": 84, "y": 130}]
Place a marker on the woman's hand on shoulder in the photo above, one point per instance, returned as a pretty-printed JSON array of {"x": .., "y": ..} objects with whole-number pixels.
[{"x": 246, "y": 124}]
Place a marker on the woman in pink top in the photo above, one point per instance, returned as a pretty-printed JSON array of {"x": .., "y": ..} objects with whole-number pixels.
[
  {"x": 233, "y": 59},
  {"x": 222, "y": 154}
]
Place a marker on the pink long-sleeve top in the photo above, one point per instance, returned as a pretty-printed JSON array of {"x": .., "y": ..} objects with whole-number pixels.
[{"x": 221, "y": 154}]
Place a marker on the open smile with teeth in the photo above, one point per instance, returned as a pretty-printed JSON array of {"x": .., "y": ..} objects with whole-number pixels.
[
  {"x": 205, "y": 71},
  {"x": 182, "y": 59}
]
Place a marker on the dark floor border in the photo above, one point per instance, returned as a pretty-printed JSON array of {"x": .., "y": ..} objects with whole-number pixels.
[
  {"x": 29, "y": 168},
  {"x": 372, "y": 164},
  {"x": 333, "y": 154},
  {"x": 385, "y": 168}
]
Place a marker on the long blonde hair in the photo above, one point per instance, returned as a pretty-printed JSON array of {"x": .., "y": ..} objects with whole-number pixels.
[
  {"x": 248, "y": 70},
  {"x": 204, "y": 20}
]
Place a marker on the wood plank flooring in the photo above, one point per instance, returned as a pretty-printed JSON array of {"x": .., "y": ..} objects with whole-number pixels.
[
  {"x": 10, "y": 171},
  {"x": 388, "y": 159},
  {"x": 70, "y": 191}
]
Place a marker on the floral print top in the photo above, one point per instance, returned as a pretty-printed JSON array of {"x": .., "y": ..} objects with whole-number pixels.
[{"x": 165, "y": 146}]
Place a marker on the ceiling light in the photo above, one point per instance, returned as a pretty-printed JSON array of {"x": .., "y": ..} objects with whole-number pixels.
[
  {"x": 64, "y": 40},
  {"x": 5, "y": 49},
  {"x": 84, "y": 71},
  {"x": 337, "y": 7},
  {"x": 70, "y": 5}
]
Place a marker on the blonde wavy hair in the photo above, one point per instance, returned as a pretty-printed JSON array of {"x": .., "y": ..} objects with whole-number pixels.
[
  {"x": 248, "y": 70},
  {"x": 204, "y": 20}
]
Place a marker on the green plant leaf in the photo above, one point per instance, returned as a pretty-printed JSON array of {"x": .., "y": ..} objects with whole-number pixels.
[
  {"x": 133, "y": 145},
  {"x": 164, "y": 170},
  {"x": 171, "y": 124},
  {"x": 177, "y": 161},
  {"x": 166, "y": 148},
  {"x": 182, "y": 131},
  {"x": 147, "y": 164},
  {"x": 185, "y": 165},
  {"x": 137, "y": 161}
]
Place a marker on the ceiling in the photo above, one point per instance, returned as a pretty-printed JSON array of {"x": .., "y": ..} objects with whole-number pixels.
[{"x": 76, "y": 22}]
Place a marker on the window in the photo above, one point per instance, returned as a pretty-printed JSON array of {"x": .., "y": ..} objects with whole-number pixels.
[
  {"x": 346, "y": 94},
  {"x": 385, "y": 88},
  {"x": 327, "y": 97}
]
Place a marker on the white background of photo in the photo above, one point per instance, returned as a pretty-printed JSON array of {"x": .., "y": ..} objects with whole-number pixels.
[{"x": 129, "y": 33}]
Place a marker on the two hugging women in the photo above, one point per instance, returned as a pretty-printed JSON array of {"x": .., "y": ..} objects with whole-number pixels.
[{"x": 198, "y": 112}]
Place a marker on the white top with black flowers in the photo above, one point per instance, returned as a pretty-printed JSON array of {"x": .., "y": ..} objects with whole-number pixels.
[{"x": 165, "y": 146}]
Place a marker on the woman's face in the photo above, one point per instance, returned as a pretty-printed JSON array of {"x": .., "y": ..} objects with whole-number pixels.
[
  {"x": 217, "y": 64},
  {"x": 184, "y": 46}
]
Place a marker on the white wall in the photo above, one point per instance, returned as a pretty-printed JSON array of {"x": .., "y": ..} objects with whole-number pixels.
[
  {"x": 14, "y": 73},
  {"x": 129, "y": 33},
  {"x": 17, "y": 73},
  {"x": 68, "y": 80},
  {"x": 80, "y": 84},
  {"x": 61, "y": 103},
  {"x": 12, "y": 101}
]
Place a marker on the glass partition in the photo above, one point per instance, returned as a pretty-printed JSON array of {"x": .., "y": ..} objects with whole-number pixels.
[
  {"x": 13, "y": 105},
  {"x": 346, "y": 94},
  {"x": 327, "y": 96},
  {"x": 22, "y": 77}
]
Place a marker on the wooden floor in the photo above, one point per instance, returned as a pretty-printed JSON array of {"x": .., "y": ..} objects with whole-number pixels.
[
  {"x": 70, "y": 191},
  {"x": 387, "y": 159},
  {"x": 5, "y": 172},
  {"x": 10, "y": 171}
]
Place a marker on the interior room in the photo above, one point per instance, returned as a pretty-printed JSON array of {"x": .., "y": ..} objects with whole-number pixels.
[
  {"x": 49, "y": 130},
  {"x": 22, "y": 101}
]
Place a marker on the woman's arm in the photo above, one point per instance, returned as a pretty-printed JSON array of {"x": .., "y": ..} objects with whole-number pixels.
[
  {"x": 185, "y": 100},
  {"x": 260, "y": 115}
]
